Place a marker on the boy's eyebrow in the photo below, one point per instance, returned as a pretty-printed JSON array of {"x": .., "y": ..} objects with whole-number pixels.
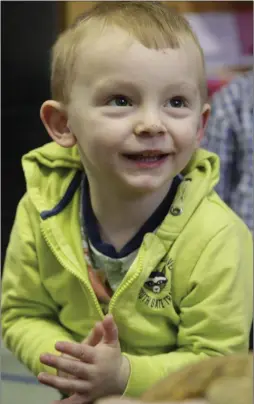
[
  {"x": 110, "y": 84},
  {"x": 183, "y": 85}
]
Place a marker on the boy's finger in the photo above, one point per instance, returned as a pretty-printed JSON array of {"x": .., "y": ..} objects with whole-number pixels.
[
  {"x": 120, "y": 400},
  {"x": 95, "y": 335},
  {"x": 74, "y": 399},
  {"x": 117, "y": 400},
  {"x": 83, "y": 352},
  {"x": 69, "y": 386},
  {"x": 75, "y": 368},
  {"x": 110, "y": 330}
]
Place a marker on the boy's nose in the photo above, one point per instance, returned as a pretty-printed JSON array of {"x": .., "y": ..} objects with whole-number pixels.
[{"x": 149, "y": 127}]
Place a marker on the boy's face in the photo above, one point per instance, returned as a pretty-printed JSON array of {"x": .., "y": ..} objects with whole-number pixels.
[{"x": 135, "y": 112}]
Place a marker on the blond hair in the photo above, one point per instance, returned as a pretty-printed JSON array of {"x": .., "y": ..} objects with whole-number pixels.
[{"x": 153, "y": 24}]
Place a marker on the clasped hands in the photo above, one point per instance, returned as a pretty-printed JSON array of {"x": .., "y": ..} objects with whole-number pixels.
[{"x": 89, "y": 370}]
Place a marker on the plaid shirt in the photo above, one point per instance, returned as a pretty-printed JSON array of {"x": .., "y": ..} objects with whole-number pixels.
[{"x": 229, "y": 133}]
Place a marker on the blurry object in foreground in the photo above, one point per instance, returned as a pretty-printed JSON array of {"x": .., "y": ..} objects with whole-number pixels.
[{"x": 220, "y": 380}]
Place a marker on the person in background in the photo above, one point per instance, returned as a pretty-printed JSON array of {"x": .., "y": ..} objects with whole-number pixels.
[{"x": 229, "y": 133}]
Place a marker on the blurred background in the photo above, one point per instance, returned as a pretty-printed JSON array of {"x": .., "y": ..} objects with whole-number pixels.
[{"x": 225, "y": 31}]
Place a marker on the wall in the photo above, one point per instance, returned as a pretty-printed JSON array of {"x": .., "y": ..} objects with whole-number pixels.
[
  {"x": 28, "y": 31},
  {"x": 71, "y": 9}
]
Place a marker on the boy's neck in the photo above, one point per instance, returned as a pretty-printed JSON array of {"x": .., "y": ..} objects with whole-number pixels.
[{"x": 119, "y": 216}]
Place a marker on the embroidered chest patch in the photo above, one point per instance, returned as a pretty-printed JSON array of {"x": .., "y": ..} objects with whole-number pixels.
[
  {"x": 156, "y": 292},
  {"x": 156, "y": 282}
]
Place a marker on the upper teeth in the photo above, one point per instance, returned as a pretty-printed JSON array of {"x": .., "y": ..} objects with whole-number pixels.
[
  {"x": 150, "y": 153},
  {"x": 149, "y": 157}
]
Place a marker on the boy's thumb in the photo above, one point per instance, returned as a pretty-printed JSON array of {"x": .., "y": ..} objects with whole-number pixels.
[
  {"x": 95, "y": 336},
  {"x": 110, "y": 330}
]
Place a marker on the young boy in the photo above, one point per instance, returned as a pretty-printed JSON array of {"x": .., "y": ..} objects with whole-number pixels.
[{"x": 120, "y": 215}]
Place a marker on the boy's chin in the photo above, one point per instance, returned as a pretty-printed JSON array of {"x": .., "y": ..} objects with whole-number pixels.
[{"x": 146, "y": 185}]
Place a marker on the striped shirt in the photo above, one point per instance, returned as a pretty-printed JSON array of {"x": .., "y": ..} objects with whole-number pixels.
[{"x": 229, "y": 133}]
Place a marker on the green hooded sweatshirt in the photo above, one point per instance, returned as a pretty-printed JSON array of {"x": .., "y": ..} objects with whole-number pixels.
[{"x": 202, "y": 252}]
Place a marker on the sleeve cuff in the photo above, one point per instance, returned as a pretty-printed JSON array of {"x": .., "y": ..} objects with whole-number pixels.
[{"x": 142, "y": 375}]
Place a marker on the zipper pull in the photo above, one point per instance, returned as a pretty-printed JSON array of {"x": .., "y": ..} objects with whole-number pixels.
[{"x": 177, "y": 206}]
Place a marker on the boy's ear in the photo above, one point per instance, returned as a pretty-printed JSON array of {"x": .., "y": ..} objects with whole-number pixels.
[
  {"x": 55, "y": 121},
  {"x": 203, "y": 122}
]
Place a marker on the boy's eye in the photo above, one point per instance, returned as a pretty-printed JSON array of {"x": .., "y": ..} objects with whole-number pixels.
[
  {"x": 120, "y": 101},
  {"x": 177, "y": 102}
]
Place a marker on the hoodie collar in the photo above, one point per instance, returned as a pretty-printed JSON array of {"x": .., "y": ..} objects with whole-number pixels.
[{"x": 53, "y": 173}]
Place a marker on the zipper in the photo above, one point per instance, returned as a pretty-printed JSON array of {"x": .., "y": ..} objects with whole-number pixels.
[
  {"x": 126, "y": 284},
  {"x": 88, "y": 287},
  {"x": 177, "y": 206}
]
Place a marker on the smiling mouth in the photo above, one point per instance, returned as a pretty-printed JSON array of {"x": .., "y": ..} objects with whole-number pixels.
[{"x": 147, "y": 156}]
